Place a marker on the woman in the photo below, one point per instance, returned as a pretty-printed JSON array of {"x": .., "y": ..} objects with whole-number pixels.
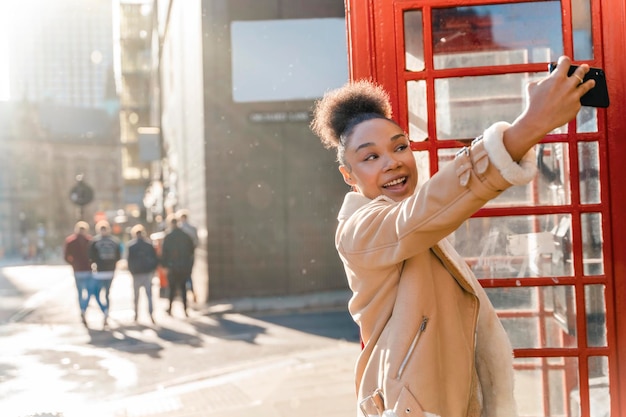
[{"x": 433, "y": 345}]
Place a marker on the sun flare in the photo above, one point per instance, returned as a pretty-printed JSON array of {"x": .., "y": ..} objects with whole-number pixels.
[{"x": 4, "y": 56}]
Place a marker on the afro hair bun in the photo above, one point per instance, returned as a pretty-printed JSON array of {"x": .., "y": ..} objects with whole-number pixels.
[{"x": 337, "y": 108}]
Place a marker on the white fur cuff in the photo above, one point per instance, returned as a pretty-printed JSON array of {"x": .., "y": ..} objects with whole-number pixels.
[{"x": 516, "y": 173}]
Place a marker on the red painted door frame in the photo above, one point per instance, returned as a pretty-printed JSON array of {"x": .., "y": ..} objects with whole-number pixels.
[
  {"x": 614, "y": 46},
  {"x": 373, "y": 54}
]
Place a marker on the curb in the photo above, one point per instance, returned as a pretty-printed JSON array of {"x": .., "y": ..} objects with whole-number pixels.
[{"x": 305, "y": 302}]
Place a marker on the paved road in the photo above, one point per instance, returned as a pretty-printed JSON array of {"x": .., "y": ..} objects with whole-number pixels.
[{"x": 210, "y": 364}]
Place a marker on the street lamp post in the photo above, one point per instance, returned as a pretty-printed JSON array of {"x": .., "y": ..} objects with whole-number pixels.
[{"x": 81, "y": 194}]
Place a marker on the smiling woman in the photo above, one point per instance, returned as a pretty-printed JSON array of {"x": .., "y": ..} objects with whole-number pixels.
[{"x": 404, "y": 273}]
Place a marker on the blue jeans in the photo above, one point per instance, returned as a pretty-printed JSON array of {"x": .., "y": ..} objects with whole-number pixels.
[
  {"x": 102, "y": 281},
  {"x": 84, "y": 287}
]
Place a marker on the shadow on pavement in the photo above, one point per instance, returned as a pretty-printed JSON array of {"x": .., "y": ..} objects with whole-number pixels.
[
  {"x": 174, "y": 336},
  {"x": 224, "y": 328},
  {"x": 335, "y": 324},
  {"x": 121, "y": 339}
]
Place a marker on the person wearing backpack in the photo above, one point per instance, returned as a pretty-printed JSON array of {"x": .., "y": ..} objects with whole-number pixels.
[
  {"x": 104, "y": 252},
  {"x": 142, "y": 263}
]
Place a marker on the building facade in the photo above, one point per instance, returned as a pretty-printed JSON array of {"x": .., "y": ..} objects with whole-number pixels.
[
  {"x": 44, "y": 148},
  {"x": 132, "y": 28},
  {"x": 238, "y": 80},
  {"x": 61, "y": 122},
  {"x": 62, "y": 52}
]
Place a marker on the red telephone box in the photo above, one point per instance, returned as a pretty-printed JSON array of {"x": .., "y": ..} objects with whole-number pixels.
[{"x": 551, "y": 255}]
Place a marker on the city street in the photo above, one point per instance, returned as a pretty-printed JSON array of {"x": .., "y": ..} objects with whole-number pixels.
[{"x": 217, "y": 362}]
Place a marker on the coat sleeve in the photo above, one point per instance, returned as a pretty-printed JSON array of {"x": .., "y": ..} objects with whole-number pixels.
[
  {"x": 118, "y": 251},
  {"x": 93, "y": 253},
  {"x": 67, "y": 256},
  {"x": 165, "y": 252},
  {"x": 384, "y": 232}
]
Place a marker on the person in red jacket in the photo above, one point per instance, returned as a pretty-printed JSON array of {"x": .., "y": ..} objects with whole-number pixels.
[{"x": 76, "y": 253}]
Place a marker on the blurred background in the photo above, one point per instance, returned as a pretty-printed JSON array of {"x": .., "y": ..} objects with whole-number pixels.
[{"x": 131, "y": 110}]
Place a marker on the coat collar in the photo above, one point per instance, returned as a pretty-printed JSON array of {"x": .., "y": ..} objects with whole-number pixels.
[{"x": 353, "y": 201}]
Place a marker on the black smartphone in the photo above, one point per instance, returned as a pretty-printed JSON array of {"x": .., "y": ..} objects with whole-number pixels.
[{"x": 598, "y": 96}]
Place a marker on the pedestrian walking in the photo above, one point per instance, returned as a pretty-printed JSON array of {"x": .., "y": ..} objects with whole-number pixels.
[
  {"x": 177, "y": 258},
  {"x": 104, "y": 253},
  {"x": 192, "y": 231},
  {"x": 433, "y": 343},
  {"x": 142, "y": 263},
  {"x": 76, "y": 253}
]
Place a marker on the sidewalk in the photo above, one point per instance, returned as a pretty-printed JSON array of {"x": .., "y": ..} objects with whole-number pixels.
[
  {"x": 305, "y": 384},
  {"x": 316, "y": 382},
  {"x": 304, "y": 302},
  {"x": 311, "y": 384}
]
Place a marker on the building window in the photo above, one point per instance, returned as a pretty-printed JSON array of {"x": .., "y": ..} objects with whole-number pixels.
[{"x": 284, "y": 60}]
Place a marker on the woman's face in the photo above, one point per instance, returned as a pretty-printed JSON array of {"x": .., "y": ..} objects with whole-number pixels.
[{"x": 379, "y": 161}]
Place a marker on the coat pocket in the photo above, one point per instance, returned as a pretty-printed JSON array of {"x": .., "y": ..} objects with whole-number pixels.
[
  {"x": 406, "y": 405},
  {"x": 409, "y": 353}
]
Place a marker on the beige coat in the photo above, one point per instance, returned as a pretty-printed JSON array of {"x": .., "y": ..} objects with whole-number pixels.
[{"x": 433, "y": 343}]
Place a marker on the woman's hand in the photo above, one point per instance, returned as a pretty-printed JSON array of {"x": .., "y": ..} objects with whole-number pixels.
[{"x": 553, "y": 102}]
